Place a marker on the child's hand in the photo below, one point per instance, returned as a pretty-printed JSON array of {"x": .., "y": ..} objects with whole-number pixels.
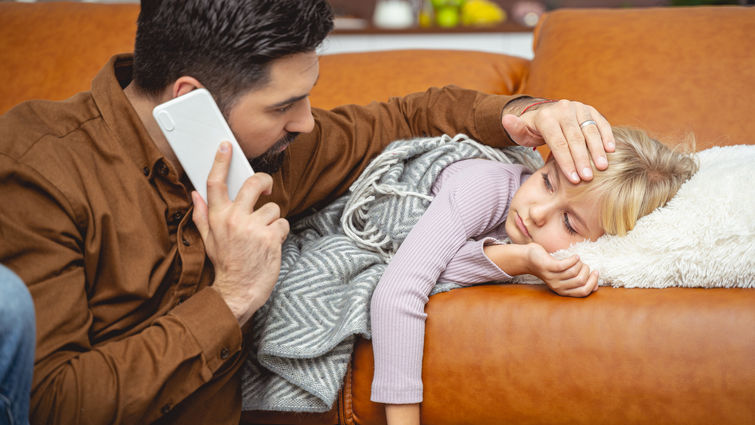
[{"x": 568, "y": 277}]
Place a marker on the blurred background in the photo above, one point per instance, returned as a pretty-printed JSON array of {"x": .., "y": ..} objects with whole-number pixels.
[
  {"x": 498, "y": 26},
  {"x": 452, "y": 13}
]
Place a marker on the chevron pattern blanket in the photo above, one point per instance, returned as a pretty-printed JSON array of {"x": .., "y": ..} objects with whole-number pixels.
[{"x": 302, "y": 338}]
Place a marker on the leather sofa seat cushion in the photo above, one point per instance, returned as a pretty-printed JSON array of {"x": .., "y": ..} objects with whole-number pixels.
[{"x": 517, "y": 354}]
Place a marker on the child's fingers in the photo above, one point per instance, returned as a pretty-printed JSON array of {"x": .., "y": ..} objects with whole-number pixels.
[
  {"x": 580, "y": 279},
  {"x": 596, "y": 283},
  {"x": 574, "y": 277},
  {"x": 568, "y": 272},
  {"x": 562, "y": 266},
  {"x": 583, "y": 285}
]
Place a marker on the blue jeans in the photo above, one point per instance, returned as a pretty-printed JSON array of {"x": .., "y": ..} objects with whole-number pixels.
[{"x": 17, "y": 338}]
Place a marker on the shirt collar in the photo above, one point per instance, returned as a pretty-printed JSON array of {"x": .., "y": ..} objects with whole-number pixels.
[{"x": 120, "y": 116}]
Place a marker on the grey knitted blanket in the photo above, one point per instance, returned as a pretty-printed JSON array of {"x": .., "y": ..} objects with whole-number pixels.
[{"x": 302, "y": 338}]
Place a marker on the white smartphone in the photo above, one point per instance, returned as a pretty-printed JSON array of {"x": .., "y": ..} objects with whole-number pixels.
[{"x": 195, "y": 127}]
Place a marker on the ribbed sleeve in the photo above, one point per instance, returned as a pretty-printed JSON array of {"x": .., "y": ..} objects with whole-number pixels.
[{"x": 471, "y": 201}]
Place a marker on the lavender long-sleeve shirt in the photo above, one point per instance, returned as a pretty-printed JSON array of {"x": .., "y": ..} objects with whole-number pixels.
[{"x": 471, "y": 202}]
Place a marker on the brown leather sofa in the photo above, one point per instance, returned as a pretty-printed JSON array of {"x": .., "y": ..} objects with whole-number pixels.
[{"x": 519, "y": 354}]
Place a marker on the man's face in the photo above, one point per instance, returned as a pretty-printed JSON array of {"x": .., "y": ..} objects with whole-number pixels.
[
  {"x": 267, "y": 119},
  {"x": 544, "y": 212}
]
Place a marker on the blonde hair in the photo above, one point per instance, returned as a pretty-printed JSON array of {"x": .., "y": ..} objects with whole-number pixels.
[{"x": 643, "y": 174}]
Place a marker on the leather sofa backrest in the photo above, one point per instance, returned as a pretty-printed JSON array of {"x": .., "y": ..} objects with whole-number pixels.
[
  {"x": 54, "y": 50},
  {"x": 363, "y": 77},
  {"x": 671, "y": 70}
]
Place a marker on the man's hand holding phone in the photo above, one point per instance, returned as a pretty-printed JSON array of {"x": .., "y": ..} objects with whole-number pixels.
[{"x": 243, "y": 244}]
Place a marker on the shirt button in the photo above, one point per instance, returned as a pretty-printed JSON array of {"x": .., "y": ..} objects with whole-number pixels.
[
  {"x": 145, "y": 170},
  {"x": 178, "y": 216},
  {"x": 163, "y": 170},
  {"x": 186, "y": 242},
  {"x": 165, "y": 409},
  {"x": 182, "y": 298},
  {"x": 224, "y": 353}
]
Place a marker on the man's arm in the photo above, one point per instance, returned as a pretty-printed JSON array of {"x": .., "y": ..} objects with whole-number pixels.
[
  {"x": 133, "y": 379},
  {"x": 323, "y": 164}
]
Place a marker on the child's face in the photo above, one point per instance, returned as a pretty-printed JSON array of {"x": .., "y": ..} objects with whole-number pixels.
[{"x": 543, "y": 212}]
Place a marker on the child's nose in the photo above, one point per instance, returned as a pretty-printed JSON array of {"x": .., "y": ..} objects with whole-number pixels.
[
  {"x": 538, "y": 213},
  {"x": 541, "y": 211}
]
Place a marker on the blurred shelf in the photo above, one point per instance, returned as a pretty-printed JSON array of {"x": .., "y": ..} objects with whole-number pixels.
[
  {"x": 505, "y": 27},
  {"x": 510, "y": 43}
]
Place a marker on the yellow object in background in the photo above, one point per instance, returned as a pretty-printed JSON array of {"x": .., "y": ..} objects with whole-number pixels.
[
  {"x": 451, "y": 13},
  {"x": 447, "y": 12},
  {"x": 426, "y": 15},
  {"x": 481, "y": 12},
  {"x": 447, "y": 16}
]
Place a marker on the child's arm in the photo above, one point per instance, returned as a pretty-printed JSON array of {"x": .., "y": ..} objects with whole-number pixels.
[
  {"x": 568, "y": 277},
  {"x": 471, "y": 202},
  {"x": 402, "y": 414}
]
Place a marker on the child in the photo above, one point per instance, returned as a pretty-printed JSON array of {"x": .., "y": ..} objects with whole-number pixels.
[{"x": 479, "y": 203}]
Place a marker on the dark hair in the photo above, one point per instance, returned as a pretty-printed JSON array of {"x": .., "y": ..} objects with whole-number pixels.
[{"x": 227, "y": 45}]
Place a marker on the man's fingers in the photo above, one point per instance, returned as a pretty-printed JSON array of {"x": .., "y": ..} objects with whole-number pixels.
[
  {"x": 593, "y": 137},
  {"x": 571, "y": 120},
  {"x": 552, "y": 129},
  {"x": 267, "y": 214},
  {"x": 606, "y": 133},
  {"x": 217, "y": 188},
  {"x": 252, "y": 189},
  {"x": 574, "y": 132},
  {"x": 200, "y": 215},
  {"x": 283, "y": 227},
  {"x": 520, "y": 132}
]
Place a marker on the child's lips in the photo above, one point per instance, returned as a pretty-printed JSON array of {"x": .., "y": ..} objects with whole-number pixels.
[{"x": 521, "y": 226}]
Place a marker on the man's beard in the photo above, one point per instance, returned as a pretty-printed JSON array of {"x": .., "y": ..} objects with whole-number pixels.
[{"x": 272, "y": 160}]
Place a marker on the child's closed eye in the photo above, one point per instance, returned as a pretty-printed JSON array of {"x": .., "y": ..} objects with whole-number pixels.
[
  {"x": 547, "y": 182},
  {"x": 568, "y": 225},
  {"x": 549, "y": 188}
]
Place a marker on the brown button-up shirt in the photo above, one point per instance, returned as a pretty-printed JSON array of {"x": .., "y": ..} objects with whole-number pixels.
[{"x": 97, "y": 222}]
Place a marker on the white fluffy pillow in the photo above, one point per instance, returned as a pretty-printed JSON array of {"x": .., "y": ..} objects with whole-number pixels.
[{"x": 703, "y": 237}]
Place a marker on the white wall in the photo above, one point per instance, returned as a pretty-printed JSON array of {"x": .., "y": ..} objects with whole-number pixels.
[{"x": 516, "y": 44}]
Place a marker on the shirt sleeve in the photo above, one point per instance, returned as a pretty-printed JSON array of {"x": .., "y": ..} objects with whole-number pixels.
[
  {"x": 470, "y": 203},
  {"x": 471, "y": 266},
  {"x": 321, "y": 165},
  {"x": 132, "y": 379}
]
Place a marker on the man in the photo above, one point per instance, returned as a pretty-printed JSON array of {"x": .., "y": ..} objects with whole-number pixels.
[{"x": 142, "y": 288}]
